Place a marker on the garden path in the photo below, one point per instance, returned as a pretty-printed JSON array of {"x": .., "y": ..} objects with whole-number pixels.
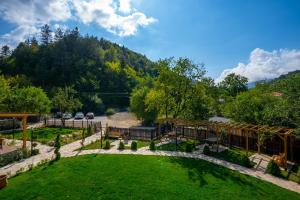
[{"x": 69, "y": 150}]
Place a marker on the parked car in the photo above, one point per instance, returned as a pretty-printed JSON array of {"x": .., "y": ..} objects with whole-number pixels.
[
  {"x": 58, "y": 115},
  {"x": 79, "y": 115},
  {"x": 67, "y": 116},
  {"x": 90, "y": 115}
]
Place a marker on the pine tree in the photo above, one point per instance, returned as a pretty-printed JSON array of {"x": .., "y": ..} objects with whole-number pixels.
[
  {"x": 5, "y": 51},
  {"x": 46, "y": 34},
  {"x": 58, "y": 35}
]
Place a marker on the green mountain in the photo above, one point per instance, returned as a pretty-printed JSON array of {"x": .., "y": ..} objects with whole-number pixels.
[{"x": 103, "y": 73}]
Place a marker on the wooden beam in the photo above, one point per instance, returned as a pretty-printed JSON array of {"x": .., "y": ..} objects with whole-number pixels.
[{"x": 24, "y": 128}]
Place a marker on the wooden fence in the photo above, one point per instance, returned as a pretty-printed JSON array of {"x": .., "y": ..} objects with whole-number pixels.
[
  {"x": 134, "y": 133},
  {"x": 81, "y": 124}
]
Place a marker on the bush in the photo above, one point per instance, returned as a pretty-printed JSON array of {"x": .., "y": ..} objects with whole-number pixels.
[
  {"x": 110, "y": 112},
  {"x": 35, "y": 152},
  {"x": 57, "y": 147},
  {"x": 206, "y": 150},
  {"x": 106, "y": 144},
  {"x": 121, "y": 146},
  {"x": 245, "y": 161},
  {"x": 273, "y": 169},
  {"x": 152, "y": 146},
  {"x": 134, "y": 145},
  {"x": 189, "y": 147},
  {"x": 89, "y": 131}
]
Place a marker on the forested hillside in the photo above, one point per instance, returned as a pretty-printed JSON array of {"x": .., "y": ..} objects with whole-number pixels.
[{"x": 102, "y": 73}]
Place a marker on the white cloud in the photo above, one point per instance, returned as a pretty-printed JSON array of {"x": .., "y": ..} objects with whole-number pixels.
[
  {"x": 105, "y": 14},
  {"x": 125, "y": 6},
  {"x": 29, "y": 15},
  {"x": 116, "y": 16},
  {"x": 266, "y": 65}
]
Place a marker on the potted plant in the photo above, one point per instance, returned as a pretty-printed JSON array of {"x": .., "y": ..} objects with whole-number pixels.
[{"x": 3, "y": 181}]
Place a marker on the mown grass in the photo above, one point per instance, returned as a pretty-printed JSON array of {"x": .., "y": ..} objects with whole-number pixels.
[
  {"x": 96, "y": 145},
  {"x": 138, "y": 177}
]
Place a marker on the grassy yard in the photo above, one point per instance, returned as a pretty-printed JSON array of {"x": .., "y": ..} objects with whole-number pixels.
[
  {"x": 140, "y": 144},
  {"x": 138, "y": 177},
  {"x": 231, "y": 155},
  {"x": 172, "y": 146},
  {"x": 44, "y": 135}
]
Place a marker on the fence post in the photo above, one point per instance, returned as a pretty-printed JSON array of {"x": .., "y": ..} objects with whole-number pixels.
[{"x": 81, "y": 124}]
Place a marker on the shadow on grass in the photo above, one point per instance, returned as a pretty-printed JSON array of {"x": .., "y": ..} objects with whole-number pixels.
[{"x": 199, "y": 170}]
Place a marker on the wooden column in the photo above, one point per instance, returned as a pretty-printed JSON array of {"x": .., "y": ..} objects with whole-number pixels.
[
  {"x": 247, "y": 142},
  {"x": 285, "y": 151},
  {"x": 24, "y": 127},
  {"x": 258, "y": 143}
]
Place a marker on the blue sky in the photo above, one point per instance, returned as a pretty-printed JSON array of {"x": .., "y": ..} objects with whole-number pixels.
[{"x": 259, "y": 39}]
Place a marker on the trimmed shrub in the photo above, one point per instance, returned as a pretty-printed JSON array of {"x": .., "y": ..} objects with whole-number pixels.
[
  {"x": 110, "y": 112},
  {"x": 206, "y": 150},
  {"x": 273, "y": 169},
  {"x": 134, "y": 146},
  {"x": 57, "y": 147},
  {"x": 152, "y": 146},
  {"x": 245, "y": 161},
  {"x": 106, "y": 144},
  {"x": 121, "y": 146},
  {"x": 35, "y": 152},
  {"x": 189, "y": 147}
]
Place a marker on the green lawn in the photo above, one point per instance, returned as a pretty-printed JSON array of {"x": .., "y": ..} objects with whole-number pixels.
[
  {"x": 138, "y": 177},
  {"x": 44, "y": 135},
  {"x": 231, "y": 155},
  {"x": 172, "y": 146}
]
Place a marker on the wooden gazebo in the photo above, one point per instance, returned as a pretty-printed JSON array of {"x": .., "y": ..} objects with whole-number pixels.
[
  {"x": 234, "y": 128},
  {"x": 23, "y": 117}
]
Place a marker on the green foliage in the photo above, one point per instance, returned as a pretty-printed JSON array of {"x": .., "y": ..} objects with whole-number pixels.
[
  {"x": 86, "y": 63},
  {"x": 90, "y": 130},
  {"x": 189, "y": 147},
  {"x": 133, "y": 145},
  {"x": 234, "y": 84},
  {"x": 139, "y": 107},
  {"x": 245, "y": 161},
  {"x": 110, "y": 112},
  {"x": 65, "y": 101},
  {"x": 106, "y": 145},
  {"x": 121, "y": 146},
  {"x": 273, "y": 168},
  {"x": 152, "y": 146},
  {"x": 206, "y": 150},
  {"x": 57, "y": 147}
]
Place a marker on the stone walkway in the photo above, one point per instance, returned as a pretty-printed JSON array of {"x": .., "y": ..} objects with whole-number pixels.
[{"x": 70, "y": 150}]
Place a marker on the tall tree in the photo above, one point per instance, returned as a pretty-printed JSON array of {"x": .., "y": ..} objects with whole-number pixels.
[
  {"x": 234, "y": 84},
  {"x": 59, "y": 34},
  {"x": 65, "y": 100},
  {"x": 5, "y": 51},
  {"x": 46, "y": 37}
]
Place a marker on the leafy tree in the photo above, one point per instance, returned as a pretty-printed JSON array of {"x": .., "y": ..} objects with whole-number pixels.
[
  {"x": 5, "y": 51},
  {"x": 65, "y": 100},
  {"x": 234, "y": 84},
  {"x": 28, "y": 99},
  {"x": 4, "y": 92},
  {"x": 139, "y": 107}
]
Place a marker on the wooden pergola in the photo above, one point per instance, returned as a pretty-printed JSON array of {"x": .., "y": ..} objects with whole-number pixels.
[
  {"x": 234, "y": 128},
  {"x": 23, "y": 117}
]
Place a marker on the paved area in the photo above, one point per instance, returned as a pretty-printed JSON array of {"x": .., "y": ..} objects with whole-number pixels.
[{"x": 70, "y": 150}]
